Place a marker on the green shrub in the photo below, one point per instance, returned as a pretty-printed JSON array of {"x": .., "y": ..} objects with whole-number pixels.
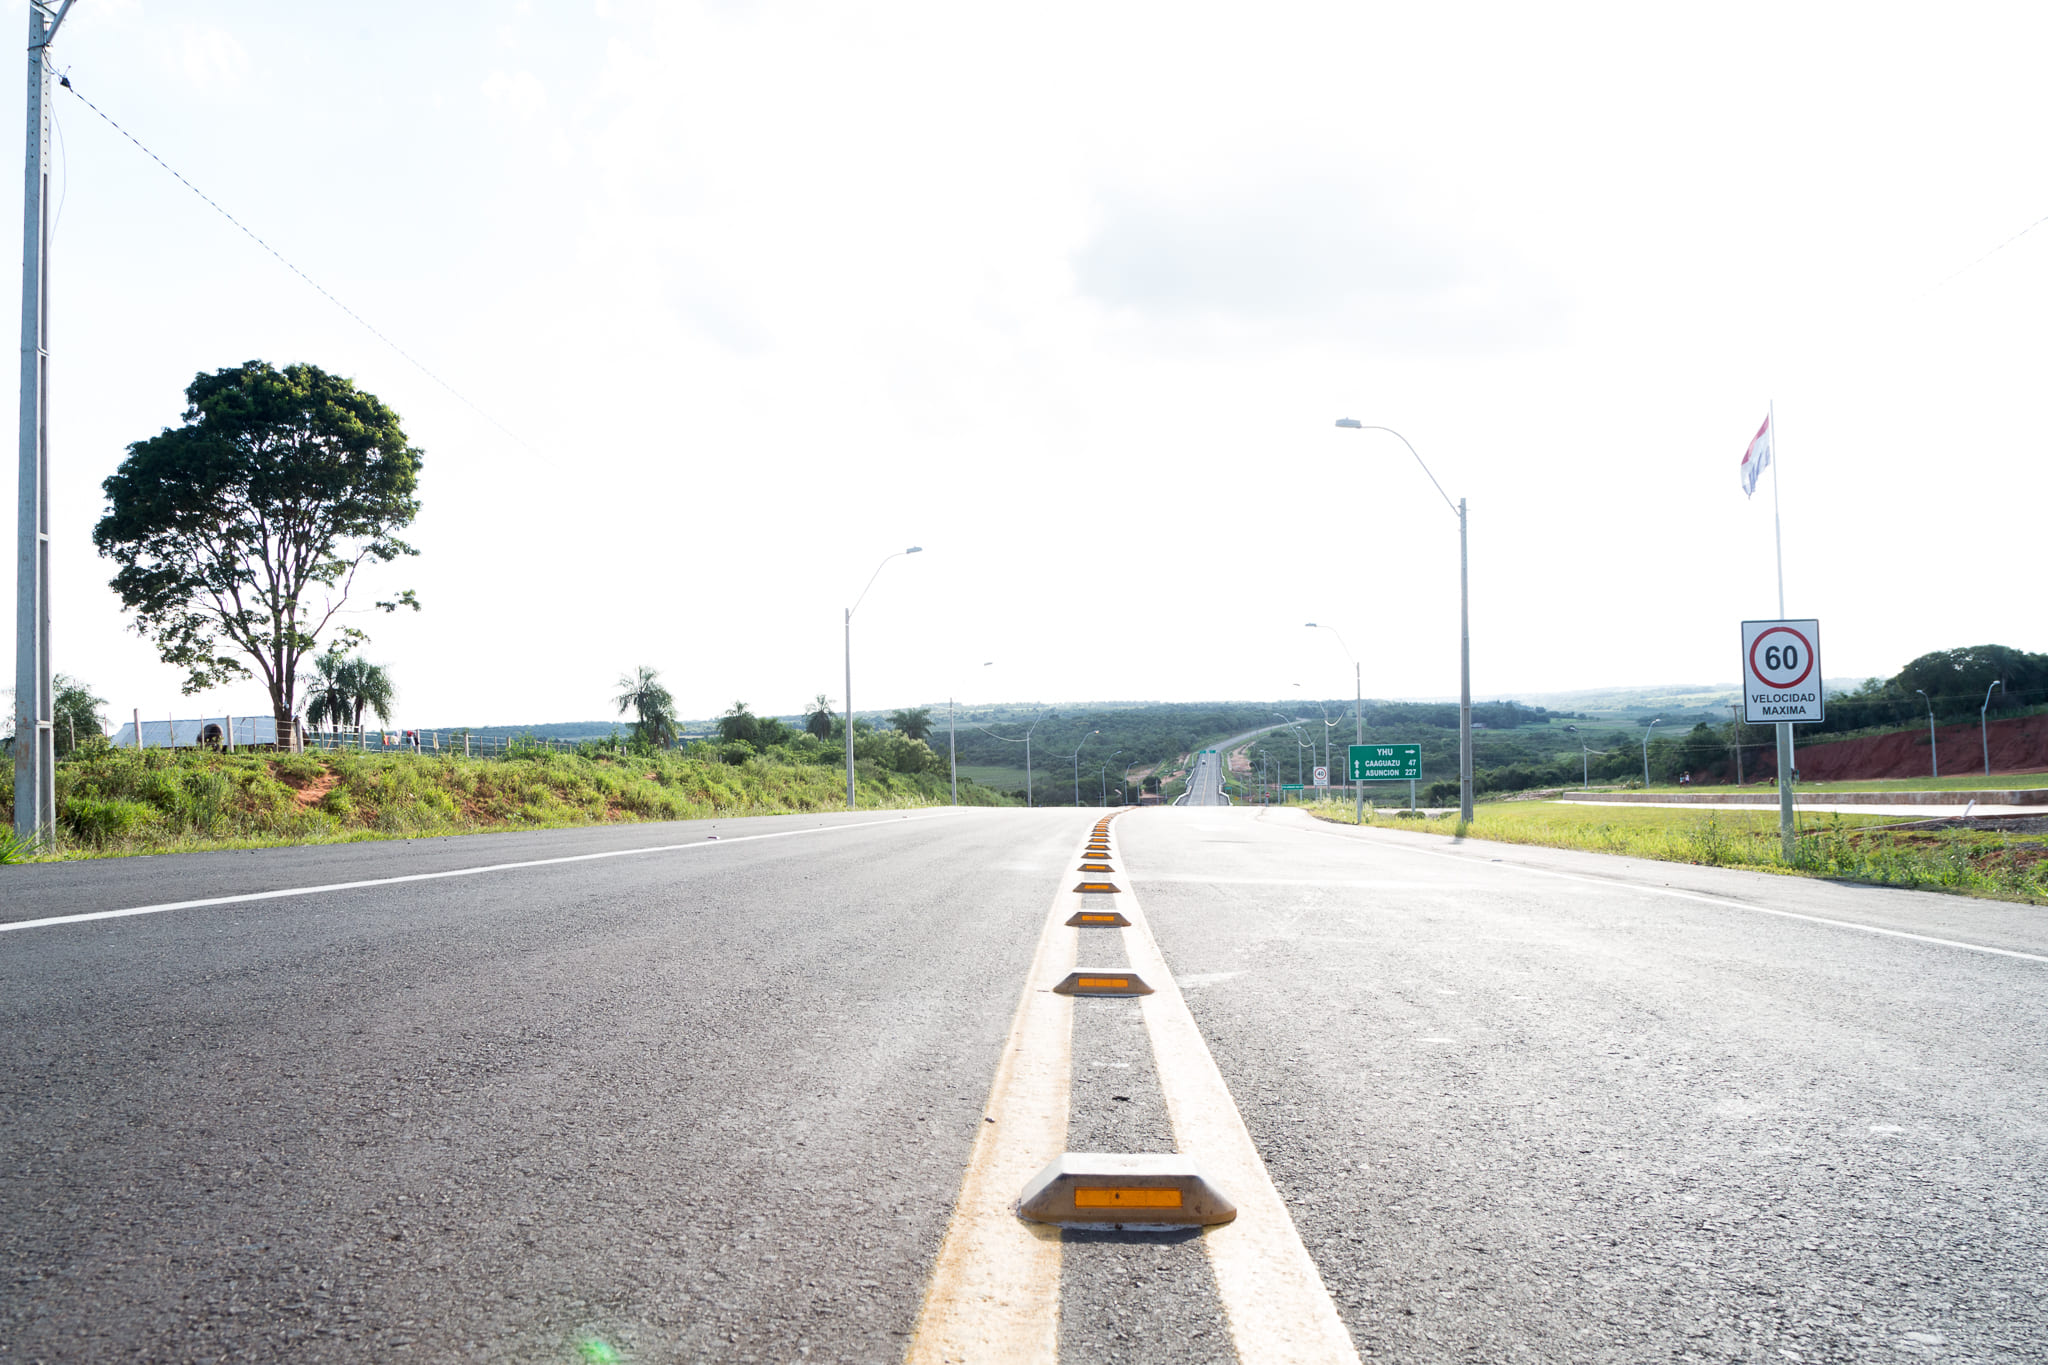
[{"x": 100, "y": 823}]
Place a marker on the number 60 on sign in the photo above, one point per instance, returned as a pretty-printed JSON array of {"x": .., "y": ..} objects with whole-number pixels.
[{"x": 1781, "y": 672}]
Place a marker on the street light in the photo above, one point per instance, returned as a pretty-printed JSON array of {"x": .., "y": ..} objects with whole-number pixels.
[
  {"x": 1077, "y": 766},
  {"x": 915, "y": 549},
  {"x": 1328, "y": 725},
  {"x": 1102, "y": 779},
  {"x": 1646, "y": 750},
  {"x": 1026, "y": 742},
  {"x": 1983, "y": 726},
  {"x": 1357, "y": 714},
  {"x": 952, "y": 750},
  {"x": 1464, "y": 626},
  {"x": 1932, "y": 756}
]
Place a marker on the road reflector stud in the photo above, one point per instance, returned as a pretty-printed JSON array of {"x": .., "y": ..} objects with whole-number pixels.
[
  {"x": 1102, "y": 981},
  {"x": 1098, "y": 919},
  {"x": 1124, "y": 1189},
  {"x": 1098, "y": 889},
  {"x": 1095, "y": 867}
]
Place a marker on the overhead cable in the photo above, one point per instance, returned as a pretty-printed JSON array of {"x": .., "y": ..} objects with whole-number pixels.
[{"x": 319, "y": 288}]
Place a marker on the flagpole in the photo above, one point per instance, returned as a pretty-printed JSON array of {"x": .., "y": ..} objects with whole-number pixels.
[
  {"x": 1787, "y": 834},
  {"x": 1777, "y": 520}
]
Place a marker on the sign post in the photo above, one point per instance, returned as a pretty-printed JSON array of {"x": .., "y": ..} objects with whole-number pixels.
[
  {"x": 1322, "y": 776},
  {"x": 1781, "y": 686},
  {"x": 1386, "y": 763}
]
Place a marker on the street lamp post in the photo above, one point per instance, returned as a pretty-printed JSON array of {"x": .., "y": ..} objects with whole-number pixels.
[
  {"x": 1357, "y": 716},
  {"x": 1102, "y": 779},
  {"x": 1934, "y": 757},
  {"x": 1026, "y": 742},
  {"x": 1464, "y": 626},
  {"x": 1646, "y": 750},
  {"x": 952, "y": 749},
  {"x": 1585, "y": 761},
  {"x": 1077, "y": 766},
  {"x": 915, "y": 549},
  {"x": 1328, "y": 725},
  {"x": 35, "y": 715},
  {"x": 1984, "y": 726}
]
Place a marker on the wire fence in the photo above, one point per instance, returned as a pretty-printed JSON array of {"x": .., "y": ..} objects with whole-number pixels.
[{"x": 260, "y": 732}]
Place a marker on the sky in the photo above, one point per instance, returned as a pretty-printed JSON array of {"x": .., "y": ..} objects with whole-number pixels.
[{"x": 705, "y": 309}]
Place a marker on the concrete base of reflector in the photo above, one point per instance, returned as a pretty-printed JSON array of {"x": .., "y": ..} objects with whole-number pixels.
[
  {"x": 1103, "y": 981},
  {"x": 1124, "y": 1189}
]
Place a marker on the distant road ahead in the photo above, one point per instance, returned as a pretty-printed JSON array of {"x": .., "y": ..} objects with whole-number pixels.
[{"x": 1205, "y": 784}]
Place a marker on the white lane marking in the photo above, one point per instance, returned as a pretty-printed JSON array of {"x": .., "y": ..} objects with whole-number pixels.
[
  {"x": 723, "y": 841},
  {"x": 1278, "y": 1307},
  {"x": 1704, "y": 899},
  {"x": 994, "y": 1292},
  {"x": 1365, "y": 883}
]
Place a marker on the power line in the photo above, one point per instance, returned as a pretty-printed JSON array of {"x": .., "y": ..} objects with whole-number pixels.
[
  {"x": 1989, "y": 254},
  {"x": 319, "y": 288}
]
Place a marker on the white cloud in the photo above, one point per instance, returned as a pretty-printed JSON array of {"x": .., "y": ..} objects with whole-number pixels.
[
  {"x": 516, "y": 95},
  {"x": 212, "y": 59},
  {"x": 1315, "y": 253}
]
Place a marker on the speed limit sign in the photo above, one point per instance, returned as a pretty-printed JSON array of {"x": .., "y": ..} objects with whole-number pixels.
[{"x": 1781, "y": 672}]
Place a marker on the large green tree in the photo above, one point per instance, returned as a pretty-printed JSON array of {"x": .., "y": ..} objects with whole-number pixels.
[
  {"x": 915, "y": 723},
  {"x": 641, "y": 693},
  {"x": 739, "y": 723},
  {"x": 78, "y": 713},
  {"x": 239, "y": 533}
]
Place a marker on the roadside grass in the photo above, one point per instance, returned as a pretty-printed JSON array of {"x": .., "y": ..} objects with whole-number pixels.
[
  {"x": 117, "y": 802},
  {"x": 1976, "y": 782},
  {"x": 1858, "y": 848}
]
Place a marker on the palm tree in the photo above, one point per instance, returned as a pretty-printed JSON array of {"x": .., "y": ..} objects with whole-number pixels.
[
  {"x": 641, "y": 693},
  {"x": 327, "y": 698},
  {"x": 819, "y": 721},
  {"x": 371, "y": 688},
  {"x": 342, "y": 687},
  {"x": 916, "y": 723}
]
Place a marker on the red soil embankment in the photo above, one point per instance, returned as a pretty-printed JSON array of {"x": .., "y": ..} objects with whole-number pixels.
[{"x": 2018, "y": 745}]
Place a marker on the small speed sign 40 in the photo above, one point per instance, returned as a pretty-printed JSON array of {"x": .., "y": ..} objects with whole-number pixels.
[{"x": 1781, "y": 678}]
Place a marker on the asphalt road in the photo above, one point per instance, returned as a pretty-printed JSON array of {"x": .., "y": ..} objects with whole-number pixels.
[
  {"x": 714, "y": 1101},
  {"x": 1205, "y": 783},
  {"x": 1532, "y": 1104}
]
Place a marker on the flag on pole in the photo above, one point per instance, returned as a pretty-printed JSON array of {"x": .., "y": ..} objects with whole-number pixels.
[{"x": 1756, "y": 457}]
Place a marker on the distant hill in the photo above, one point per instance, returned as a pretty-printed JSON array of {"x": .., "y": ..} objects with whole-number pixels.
[{"x": 1664, "y": 697}]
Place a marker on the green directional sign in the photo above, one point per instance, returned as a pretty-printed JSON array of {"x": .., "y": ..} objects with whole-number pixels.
[
  {"x": 1385, "y": 762},
  {"x": 1290, "y": 786}
]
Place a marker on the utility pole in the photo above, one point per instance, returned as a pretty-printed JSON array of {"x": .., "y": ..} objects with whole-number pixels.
[{"x": 35, "y": 720}]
